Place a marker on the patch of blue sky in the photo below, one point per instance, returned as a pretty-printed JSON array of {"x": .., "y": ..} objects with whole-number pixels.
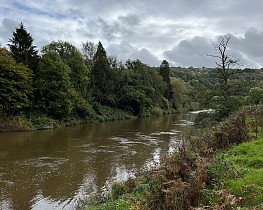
[
  {"x": 36, "y": 11},
  {"x": 5, "y": 8}
]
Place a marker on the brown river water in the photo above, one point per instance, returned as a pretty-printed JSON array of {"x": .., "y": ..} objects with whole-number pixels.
[{"x": 54, "y": 169}]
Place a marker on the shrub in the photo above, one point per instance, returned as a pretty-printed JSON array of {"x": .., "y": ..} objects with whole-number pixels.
[
  {"x": 42, "y": 122},
  {"x": 84, "y": 109},
  {"x": 15, "y": 123},
  {"x": 156, "y": 111},
  {"x": 118, "y": 189}
]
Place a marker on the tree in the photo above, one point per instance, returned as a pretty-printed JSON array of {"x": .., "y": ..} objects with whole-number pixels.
[
  {"x": 141, "y": 88},
  {"x": 22, "y": 48},
  {"x": 56, "y": 93},
  {"x": 165, "y": 73},
  {"x": 181, "y": 90},
  {"x": 88, "y": 52},
  {"x": 256, "y": 95},
  {"x": 226, "y": 68},
  {"x": 15, "y": 83},
  {"x": 99, "y": 75},
  {"x": 74, "y": 60}
]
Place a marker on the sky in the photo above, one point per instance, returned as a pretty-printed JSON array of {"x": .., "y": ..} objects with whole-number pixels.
[{"x": 182, "y": 32}]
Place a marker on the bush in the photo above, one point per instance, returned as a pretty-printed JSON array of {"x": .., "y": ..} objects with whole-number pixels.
[
  {"x": 118, "y": 189},
  {"x": 84, "y": 109},
  {"x": 15, "y": 123},
  {"x": 206, "y": 119},
  {"x": 42, "y": 122},
  {"x": 106, "y": 113},
  {"x": 156, "y": 111}
]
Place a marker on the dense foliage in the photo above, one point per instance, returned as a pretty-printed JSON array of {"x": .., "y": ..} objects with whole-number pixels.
[
  {"x": 69, "y": 84},
  {"x": 15, "y": 84},
  {"x": 55, "y": 90},
  {"x": 74, "y": 60},
  {"x": 142, "y": 88},
  {"x": 204, "y": 85}
]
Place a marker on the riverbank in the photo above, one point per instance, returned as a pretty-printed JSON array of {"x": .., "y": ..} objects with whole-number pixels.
[
  {"x": 194, "y": 177},
  {"x": 236, "y": 176},
  {"x": 39, "y": 121}
]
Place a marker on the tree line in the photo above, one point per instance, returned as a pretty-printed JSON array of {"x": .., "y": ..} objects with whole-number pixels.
[{"x": 61, "y": 81}]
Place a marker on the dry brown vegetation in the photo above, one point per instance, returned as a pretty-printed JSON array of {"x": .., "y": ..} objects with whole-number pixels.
[
  {"x": 190, "y": 178},
  {"x": 183, "y": 174}
]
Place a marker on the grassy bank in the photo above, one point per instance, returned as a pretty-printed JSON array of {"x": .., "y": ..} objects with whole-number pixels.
[
  {"x": 248, "y": 161},
  {"x": 235, "y": 178},
  {"x": 199, "y": 176}
]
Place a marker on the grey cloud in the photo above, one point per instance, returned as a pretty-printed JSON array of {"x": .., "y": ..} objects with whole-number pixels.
[
  {"x": 130, "y": 20},
  {"x": 125, "y": 51},
  {"x": 164, "y": 29},
  {"x": 7, "y": 29},
  {"x": 251, "y": 44},
  {"x": 9, "y": 24},
  {"x": 249, "y": 48},
  {"x": 121, "y": 28},
  {"x": 146, "y": 57},
  {"x": 111, "y": 30},
  {"x": 108, "y": 30},
  {"x": 191, "y": 52}
]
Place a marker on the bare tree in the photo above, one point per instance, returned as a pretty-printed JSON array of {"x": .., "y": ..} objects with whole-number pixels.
[
  {"x": 228, "y": 88},
  {"x": 226, "y": 66}
]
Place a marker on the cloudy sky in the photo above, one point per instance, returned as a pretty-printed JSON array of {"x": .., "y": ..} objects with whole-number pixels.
[{"x": 180, "y": 31}]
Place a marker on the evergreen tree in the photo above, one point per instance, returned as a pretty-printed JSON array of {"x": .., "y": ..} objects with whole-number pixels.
[
  {"x": 15, "y": 83},
  {"x": 22, "y": 48},
  {"x": 99, "y": 75},
  {"x": 165, "y": 73}
]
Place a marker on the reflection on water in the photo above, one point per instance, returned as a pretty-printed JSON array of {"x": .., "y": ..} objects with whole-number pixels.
[{"x": 53, "y": 169}]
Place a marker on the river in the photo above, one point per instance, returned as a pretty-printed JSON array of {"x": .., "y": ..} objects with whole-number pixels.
[{"x": 54, "y": 169}]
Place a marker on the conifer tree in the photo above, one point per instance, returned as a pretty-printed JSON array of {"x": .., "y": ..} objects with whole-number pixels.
[
  {"x": 99, "y": 74},
  {"x": 165, "y": 73},
  {"x": 22, "y": 48}
]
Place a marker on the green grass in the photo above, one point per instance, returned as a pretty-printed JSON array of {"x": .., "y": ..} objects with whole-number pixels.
[
  {"x": 123, "y": 195},
  {"x": 120, "y": 204},
  {"x": 129, "y": 195},
  {"x": 123, "y": 202},
  {"x": 247, "y": 158}
]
